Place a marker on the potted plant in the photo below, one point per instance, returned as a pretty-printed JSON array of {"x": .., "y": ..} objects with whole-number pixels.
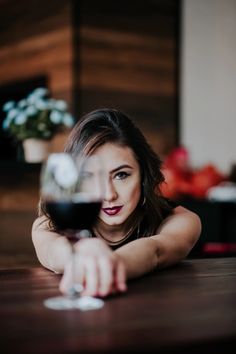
[{"x": 35, "y": 120}]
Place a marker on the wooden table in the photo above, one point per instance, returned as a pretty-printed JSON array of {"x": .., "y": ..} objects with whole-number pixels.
[{"x": 189, "y": 308}]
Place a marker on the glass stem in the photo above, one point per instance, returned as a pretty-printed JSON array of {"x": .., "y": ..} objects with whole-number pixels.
[
  {"x": 73, "y": 250},
  {"x": 76, "y": 287}
]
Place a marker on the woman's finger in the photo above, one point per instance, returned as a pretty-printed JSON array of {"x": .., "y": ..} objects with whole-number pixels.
[
  {"x": 106, "y": 267},
  {"x": 120, "y": 277},
  {"x": 67, "y": 279},
  {"x": 73, "y": 274},
  {"x": 91, "y": 277}
]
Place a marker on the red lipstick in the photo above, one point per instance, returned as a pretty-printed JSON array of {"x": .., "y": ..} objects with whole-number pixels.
[{"x": 112, "y": 211}]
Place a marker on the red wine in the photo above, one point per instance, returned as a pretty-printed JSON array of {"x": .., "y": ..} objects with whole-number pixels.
[{"x": 73, "y": 215}]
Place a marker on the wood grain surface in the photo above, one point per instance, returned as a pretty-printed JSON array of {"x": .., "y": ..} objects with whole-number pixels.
[{"x": 189, "y": 308}]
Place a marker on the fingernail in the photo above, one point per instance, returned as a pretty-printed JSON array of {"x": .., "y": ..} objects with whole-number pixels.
[
  {"x": 123, "y": 287},
  {"x": 103, "y": 293}
]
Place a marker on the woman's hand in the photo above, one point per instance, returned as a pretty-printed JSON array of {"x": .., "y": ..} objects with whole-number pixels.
[{"x": 100, "y": 270}]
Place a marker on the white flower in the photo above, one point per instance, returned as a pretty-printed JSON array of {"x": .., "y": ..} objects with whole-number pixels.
[
  {"x": 22, "y": 103},
  {"x": 6, "y": 123},
  {"x": 51, "y": 103},
  {"x": 60, "y": 105},
  {"x": 68, "y": 120},
  {"x": 54, "y": 160},
  {"x": 40, "y": 91},
  {"x": 31, "y": 111},
  {"x": 53, "y": 113},
  {"x": 55, "y": 117},
  {"x": 31, "y": 99},
  {"x": 20, "y": 119},
  {"x": 65, "y": 171},
  {"x": 13, "y": 113},
  {"x": 8, "y": 105},
  {"x": 40, "y": 104},
  {"x": 9, "y": 118}
]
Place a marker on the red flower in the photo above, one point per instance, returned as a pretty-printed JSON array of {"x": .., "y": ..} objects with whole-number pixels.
[{"x": 181, "y": 180}]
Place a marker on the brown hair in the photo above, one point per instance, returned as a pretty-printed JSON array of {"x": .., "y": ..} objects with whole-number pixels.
[{"x": 109, "y": 125}]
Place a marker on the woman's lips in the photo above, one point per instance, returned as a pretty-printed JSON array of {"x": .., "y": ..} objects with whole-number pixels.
[{"x": 112, "y": 211}]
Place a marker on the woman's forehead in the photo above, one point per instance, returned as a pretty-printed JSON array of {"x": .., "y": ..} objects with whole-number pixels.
[{"x": 113, "y": 155}]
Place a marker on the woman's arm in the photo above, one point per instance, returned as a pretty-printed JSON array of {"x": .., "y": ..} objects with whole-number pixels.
[
  {"x": 98, "y": 268},
  {"x": 53, "y": 251},
  {"x": 175, "y": 238},
  {"x": 101, "y": 270}
]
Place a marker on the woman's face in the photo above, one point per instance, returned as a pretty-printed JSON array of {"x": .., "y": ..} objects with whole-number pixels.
[{"x": 122, "y": 183}]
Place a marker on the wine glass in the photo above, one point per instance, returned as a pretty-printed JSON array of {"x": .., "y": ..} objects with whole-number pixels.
[{"x": 71, "y": 194}]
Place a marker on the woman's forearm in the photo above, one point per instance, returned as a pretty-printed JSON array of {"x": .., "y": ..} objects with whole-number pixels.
[
  {"x": 174, "y": 240},
  {"x": 146, "y": 254},
  {"x": 53, "y": 251},
  {"x": 176, "y": 236},
  {"x": 139, "y": 256}
]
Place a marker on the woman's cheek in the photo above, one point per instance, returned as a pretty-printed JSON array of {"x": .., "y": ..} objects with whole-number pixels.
[{"x": 133, "y": 193}]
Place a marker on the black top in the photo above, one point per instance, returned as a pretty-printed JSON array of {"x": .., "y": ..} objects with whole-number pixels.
[{"x": 134, "y": 235}]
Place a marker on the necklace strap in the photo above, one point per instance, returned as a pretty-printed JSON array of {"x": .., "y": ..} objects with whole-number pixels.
[{"x": 114, "y": 243}]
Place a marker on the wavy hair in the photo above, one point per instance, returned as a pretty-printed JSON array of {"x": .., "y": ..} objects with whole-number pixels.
[{"x": 103, "y": 126}]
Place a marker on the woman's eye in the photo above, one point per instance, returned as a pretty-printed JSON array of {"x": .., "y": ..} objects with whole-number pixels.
[{"x": 121, "y": 175}]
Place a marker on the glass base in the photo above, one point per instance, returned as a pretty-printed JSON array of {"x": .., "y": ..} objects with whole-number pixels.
[{"x": 83, "y": 303}]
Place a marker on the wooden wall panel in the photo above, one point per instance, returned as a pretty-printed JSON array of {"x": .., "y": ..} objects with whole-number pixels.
[
  {"x": 125, "y": 56},
  {"x": 19, "y": 195},
  {"x": 36, "y": 40},
  {"x": 29, "y": 18},
  {"x": 129, "y": 60}
]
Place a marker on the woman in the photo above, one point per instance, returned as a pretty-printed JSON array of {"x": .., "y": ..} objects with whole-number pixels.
[{"x": 137, "y": 231}]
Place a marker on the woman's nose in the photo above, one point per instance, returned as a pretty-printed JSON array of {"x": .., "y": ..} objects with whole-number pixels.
[{"x": 110, "y": 191}]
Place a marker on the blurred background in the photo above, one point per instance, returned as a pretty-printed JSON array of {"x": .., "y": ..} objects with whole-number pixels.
[{"x": 169, "y": 64}]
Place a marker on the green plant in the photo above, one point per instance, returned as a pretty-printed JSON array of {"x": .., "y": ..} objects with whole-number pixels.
[{"x": 36, "y": 116}]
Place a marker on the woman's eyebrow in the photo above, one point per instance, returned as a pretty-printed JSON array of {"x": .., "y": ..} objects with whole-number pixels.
[{"x": 120, "y": 167}]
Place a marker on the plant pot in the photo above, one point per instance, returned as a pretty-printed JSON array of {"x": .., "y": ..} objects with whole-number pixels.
[{"x": 36, "y": 150}]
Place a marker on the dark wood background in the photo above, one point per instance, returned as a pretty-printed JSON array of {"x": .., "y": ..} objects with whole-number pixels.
[
  {"x": 36, "y": 40},
  {"x": 128, "y": 59},
  {"x": 121, "y": 54}
]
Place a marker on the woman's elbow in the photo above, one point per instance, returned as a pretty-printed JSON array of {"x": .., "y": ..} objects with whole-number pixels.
[
  {"x": 197, "y": 226},
  {"x": 192, "y": 236},
  {"x": 191, "y": 226},
  {"x": 194, "y": 229}
]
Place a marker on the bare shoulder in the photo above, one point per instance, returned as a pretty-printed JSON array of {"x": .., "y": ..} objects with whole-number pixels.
[
  {"x": 179, "y": 210},
  {"x": 41, "y": 223},
  {"x": 182, "y": 221}
]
